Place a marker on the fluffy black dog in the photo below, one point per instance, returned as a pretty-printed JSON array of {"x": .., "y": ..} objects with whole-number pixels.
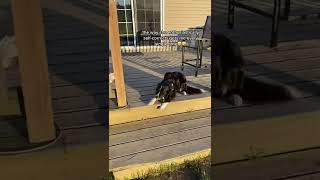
[
  {"x": 172, "y": 83},
  {"x": 228, "y": 68}
]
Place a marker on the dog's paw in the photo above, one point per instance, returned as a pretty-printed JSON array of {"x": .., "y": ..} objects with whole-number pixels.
[
  {"x": 236, "y": 100},
  {"x": 184, "y": 93},
  {"x": 153, "y": 100},
  {"x": 203, "y": 91},
  {"x": 164, "y": 105}
]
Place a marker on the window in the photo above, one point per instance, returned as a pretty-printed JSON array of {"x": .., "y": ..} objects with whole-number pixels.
[
  {"x": 125, "y": 22},
  {"x": 148, "y": 18}
]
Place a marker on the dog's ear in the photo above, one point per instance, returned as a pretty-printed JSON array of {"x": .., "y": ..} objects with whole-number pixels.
[
  {"x": 183, "y": 78},
  {"x": 158, "y": 88},
  {"x": 166, "y": 74}
]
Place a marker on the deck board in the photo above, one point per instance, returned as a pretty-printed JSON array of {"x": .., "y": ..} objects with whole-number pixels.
[
  {"x": 77, "y": 60},
  {"x": 143, "y": 73},
  {"x": 295, "y": 62},
  {"x": 300, "y": 164},
  {"x": 167, "y": 137}
]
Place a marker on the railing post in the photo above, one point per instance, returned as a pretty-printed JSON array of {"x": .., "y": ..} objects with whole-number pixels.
[
  {"x": 29, "y": 32},
  {"x": 116, "y": 54},
  {"x": 275, "y": 23}
]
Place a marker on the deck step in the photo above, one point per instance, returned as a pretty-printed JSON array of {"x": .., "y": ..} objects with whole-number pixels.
[
  {"x": 192, "y": 103},
  {"x": 140, "y": 145}
]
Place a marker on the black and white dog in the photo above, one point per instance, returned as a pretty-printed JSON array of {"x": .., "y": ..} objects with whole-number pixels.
[
  {"x": 172, "y": 83},
  {"x": 228, "y": 68}
]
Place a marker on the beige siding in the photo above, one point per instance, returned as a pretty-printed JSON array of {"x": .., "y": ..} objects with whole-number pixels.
[{"x": 183, "y": 14}]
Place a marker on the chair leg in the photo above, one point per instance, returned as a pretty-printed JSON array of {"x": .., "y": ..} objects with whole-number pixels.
[
  {"x": 275, "y": 23},
  {"x": 287, "y": 9},
  {"x": 198, "y": 59},
  {"x": 201, "y": 53},
  {"x": 182, "y": 63},
  {"x": 231, "y": 6},
  {"x": 197, "y": 68}
]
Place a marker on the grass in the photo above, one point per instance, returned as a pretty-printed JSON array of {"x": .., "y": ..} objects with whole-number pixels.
[
  {"x": 197, "y": 169},
  {"x": 109, "y": 176}
]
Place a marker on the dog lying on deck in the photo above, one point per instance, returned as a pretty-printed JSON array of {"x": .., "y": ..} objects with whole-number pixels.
[
  {"x": 172, "y": 83},
  {"x": 228, "y": 67}
]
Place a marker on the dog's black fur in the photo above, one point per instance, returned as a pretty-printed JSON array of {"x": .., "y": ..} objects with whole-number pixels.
[
  {"x": 229, "y": 75},
  {"x": 172, "y": 83},
  {"x": 228, "y": 67}
]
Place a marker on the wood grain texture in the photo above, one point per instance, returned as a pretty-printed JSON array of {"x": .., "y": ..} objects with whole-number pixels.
[
  {"x": 62, "y": 160},
  {"x": 258, "y": 139},
  {"x": 290, "y": 166},
  {"x": 159, "y": 139}
]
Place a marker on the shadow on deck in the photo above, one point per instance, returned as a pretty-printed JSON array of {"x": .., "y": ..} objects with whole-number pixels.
[
  {"x": 273, "y": 127},
  {"x": 77, "y": 60},
  {"x": 294, "y": 63}
]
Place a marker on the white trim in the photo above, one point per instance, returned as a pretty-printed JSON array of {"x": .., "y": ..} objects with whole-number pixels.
[
  {"x": 133, "y": 16},
  {"x": 147, "y": 49},
  {"x": 162, "y": 14}
]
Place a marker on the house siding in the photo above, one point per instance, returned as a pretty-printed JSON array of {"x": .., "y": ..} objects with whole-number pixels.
[{"x": 184, "y": 14}]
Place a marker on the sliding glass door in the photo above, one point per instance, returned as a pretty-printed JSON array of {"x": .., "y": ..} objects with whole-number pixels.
[{"x": 148, "y": 19}]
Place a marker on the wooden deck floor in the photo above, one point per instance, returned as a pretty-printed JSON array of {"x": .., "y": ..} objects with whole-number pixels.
[
  {"x": 295, "y": 62},
  {"x": 143, "y": 72},
  {"x": 159, "y": 139},
  {"x": 162, "y": 138},
  {"x": 77, "y": 60},
  {"x": 303, "y": 165}
]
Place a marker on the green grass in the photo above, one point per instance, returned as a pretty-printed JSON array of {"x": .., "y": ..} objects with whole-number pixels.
[
  {"x": 109, "y": 176},
  {"x": 198, "y": 169}
]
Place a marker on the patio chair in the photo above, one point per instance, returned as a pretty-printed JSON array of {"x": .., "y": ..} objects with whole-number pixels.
[
  {"x": 199, "y": 46},
  {"x": 275, "y": 16}
]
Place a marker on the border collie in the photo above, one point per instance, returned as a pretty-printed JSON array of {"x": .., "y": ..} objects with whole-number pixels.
[
  {"x": 172, "y": 83},
  {"x": 228, "y": 67}
]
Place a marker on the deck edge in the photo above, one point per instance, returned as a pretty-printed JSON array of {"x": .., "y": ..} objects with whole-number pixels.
[
  {"x": 148, "y": 112},
  {"x": 261, "y": 138}
]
